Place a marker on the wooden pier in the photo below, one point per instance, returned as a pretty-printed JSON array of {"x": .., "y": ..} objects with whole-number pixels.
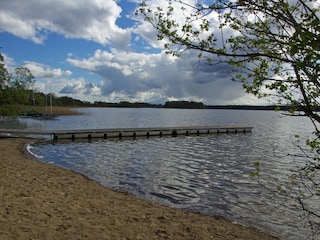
[
  {"x": 145, "y": 132},
  {"x": 127, "y": 132}
]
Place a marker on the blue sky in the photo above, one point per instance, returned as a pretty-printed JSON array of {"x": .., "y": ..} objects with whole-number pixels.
[{"x": 100, "y": 50}]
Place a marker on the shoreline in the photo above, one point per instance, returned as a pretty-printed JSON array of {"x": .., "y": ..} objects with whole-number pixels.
[{"x": 42, "y": 201}]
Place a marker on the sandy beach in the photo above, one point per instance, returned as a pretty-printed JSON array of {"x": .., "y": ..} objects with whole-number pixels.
[{"x": 41, "y": 201}]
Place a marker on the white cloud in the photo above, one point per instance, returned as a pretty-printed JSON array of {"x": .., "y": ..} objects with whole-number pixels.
[
  {"x": 91, "y": 20},
  {"x": 8, "y": 62},
  {"x": 77, "y": 88},
  {"x": 58, "y": 81},
  {"x": 81, "y": 87},
  {"x": 160, "y": 77},
  {"x": 45, "y": 72},
  {"x": 180, "y": 14}
]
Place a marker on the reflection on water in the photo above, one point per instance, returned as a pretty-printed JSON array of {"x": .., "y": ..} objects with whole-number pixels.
[
  {"x": 12, "y": 123},
  {"x": 207, "y": 174}
]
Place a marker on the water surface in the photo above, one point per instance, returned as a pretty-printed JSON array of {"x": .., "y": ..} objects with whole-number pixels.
[{"x": 206, "y": 174}]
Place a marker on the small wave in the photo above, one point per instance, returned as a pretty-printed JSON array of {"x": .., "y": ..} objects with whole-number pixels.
[
  {"x": 166, "y": 197},
  {"x": 29, "y": 149}
]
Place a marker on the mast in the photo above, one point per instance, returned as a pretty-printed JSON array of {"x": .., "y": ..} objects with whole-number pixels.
[
  {"x": 50, "y": 100},
  {"x": 46, "y": 100}
]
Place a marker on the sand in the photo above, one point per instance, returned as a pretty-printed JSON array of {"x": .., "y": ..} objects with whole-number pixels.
[{"x": 42, "y": 201}]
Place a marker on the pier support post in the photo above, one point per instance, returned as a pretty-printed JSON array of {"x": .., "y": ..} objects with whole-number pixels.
[
  {"x": 55, "y": 137},
  {"x": 174, "y": 133}
]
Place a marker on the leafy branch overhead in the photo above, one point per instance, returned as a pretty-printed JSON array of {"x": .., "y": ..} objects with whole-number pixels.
[
  {"x": 274, "y": 51},
  {"x": 272, "y": 45}
]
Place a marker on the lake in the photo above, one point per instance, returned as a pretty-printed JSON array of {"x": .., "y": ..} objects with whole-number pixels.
[{"x": 208, "y": 174}]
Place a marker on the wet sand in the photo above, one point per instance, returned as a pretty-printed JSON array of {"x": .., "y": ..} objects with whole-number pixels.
[{"x": 41, "y": 201}]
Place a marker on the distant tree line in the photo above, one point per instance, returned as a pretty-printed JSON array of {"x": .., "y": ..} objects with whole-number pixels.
[
  {"x": 169, "y": 104},
  {"x": 126, "y": 104},
  {"x": 184, "y": 104}
]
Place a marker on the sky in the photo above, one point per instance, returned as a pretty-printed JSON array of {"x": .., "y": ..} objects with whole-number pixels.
[{"x": 100, "y": 50}]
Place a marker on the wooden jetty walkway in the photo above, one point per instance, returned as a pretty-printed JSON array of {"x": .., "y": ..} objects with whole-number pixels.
[{"x": 127, "y": 132}]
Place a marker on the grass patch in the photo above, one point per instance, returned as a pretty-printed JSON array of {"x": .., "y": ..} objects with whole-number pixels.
[{"x": 59, "y": 110}]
